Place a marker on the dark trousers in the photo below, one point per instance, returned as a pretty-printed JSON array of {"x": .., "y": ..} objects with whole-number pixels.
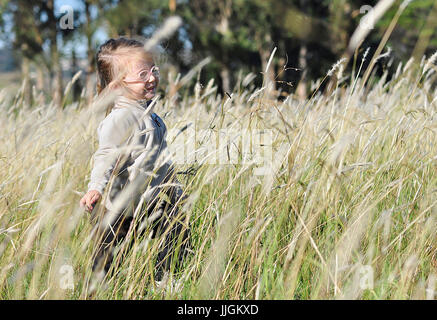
[{"x": 169, "y": 223}]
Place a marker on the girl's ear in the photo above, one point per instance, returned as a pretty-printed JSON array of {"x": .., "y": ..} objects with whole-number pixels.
[
  {"x": 114, "y": 85},
  {"x": 127, "y": 92},
  {"x": 117, "y": 83},
  {"x": 113, "y": 88}
]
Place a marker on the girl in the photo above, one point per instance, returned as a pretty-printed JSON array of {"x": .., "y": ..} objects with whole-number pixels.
[{"x": 132, "y": 157}]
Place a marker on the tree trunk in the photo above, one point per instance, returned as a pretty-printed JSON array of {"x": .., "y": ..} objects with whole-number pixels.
[
  {"x": 40, "y": 78},
  {"x": 269, "y": 76},
  {"x": 225, "y": 74},
  {"x": 264, "y": 54},
  {"x": 223, "y": 28},
  {"x": 301, "y": 89},
  {"x": 90, "y": 71},
  {"x": 57, "y": 75},
  {"x": 40, "y": 84},
  {"x": 172, "y": 5},
  {"x": 77, "y": 88},
  {"x": 27, "y": 90},
  {"x": 173, "y": 88},
  {"x": 57, "y": 86}
]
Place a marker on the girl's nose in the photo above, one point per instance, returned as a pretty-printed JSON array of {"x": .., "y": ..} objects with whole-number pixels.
[{"x": 151, "y": 78}]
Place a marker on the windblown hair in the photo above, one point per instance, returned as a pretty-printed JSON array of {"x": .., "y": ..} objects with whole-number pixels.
[
  {"x": 108, "y": 58},
  {"x": 113, "y": 59}
]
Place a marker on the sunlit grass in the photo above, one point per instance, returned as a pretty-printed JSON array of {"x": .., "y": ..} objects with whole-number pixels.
[{"x": 354, "y": 189}]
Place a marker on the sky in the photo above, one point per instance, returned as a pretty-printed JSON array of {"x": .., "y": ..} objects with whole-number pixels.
[{"x": 80, "y": 43}]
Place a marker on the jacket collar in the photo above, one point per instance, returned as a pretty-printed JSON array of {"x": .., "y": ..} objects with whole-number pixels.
[{"x": 123, "y": 102}]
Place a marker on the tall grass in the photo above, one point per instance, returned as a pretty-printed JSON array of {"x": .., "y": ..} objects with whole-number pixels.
[{"x": 348, "y": 212}]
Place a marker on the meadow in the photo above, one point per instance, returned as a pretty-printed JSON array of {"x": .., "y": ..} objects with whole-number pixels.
[{"x": 348, "y": 210}]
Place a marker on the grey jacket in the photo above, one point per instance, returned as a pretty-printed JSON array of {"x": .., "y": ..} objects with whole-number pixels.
[{"x": 134, "y": 137}]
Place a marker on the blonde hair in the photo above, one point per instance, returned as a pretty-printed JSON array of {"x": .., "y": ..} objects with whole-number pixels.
[{"x": 111, "y": 59}]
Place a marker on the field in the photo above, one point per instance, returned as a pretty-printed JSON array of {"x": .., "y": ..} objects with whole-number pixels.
[{"x": 348, "y": 210}]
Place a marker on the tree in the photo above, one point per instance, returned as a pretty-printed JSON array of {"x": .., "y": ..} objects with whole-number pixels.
[
  {"x": 27, "y": 39},
  {"x": 34, "y": 25}
]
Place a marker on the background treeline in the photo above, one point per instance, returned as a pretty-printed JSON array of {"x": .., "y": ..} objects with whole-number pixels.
[{"x": 239, "y": 35}]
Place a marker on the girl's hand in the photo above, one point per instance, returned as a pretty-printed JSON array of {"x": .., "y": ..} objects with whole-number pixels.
[{"x": 90, "y": 199}]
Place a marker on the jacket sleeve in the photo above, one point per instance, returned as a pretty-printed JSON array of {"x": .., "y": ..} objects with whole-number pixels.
[
  {"x": 151, "y": 160},
  {"x": 113, "y": 132},
  {"x": 145, "y": 157}
]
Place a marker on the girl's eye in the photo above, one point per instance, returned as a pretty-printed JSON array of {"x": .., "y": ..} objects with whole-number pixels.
[
  {"x": 144, "y": 75},
  {"x": 155, "y": 71}
]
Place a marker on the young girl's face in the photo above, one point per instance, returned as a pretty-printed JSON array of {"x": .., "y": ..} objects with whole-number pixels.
[{"x": 140, "y": 79}]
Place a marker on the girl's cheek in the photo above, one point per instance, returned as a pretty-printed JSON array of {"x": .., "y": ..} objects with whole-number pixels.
[{"x": 139, "y": 88}]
